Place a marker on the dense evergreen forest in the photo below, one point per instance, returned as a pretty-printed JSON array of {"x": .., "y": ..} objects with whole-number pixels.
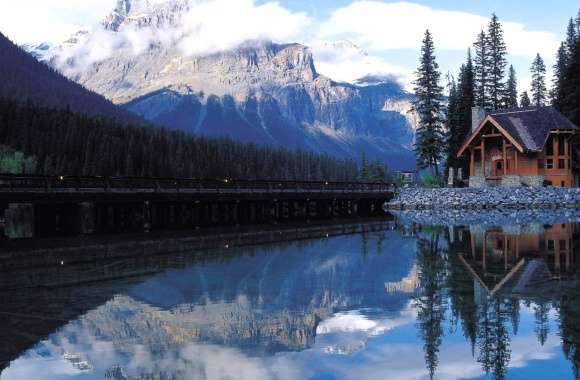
[
  {"x": 23, "y": 77},
  {"x": 486, "y": 80},
  {"x": 64, "y": 142}
]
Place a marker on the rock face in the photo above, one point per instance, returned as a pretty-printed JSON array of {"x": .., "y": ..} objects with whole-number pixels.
[{"x": 259, "y": 92}]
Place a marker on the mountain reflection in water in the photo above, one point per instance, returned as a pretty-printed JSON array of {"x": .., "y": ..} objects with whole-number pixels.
[{"x": 469, "y": 302}]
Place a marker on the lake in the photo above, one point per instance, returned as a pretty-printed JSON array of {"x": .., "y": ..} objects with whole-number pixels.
[{"x": 422, "y": 296}]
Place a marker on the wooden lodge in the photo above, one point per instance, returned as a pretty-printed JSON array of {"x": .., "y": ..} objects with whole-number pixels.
[
  {"x": 531, "y": 260},
  {"x": 520, "y": 147}
]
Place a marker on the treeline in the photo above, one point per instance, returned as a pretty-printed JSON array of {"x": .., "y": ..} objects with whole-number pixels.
[
  {"x": 485, "y": 80},
  {"x": 566, "y": 90},
  {"x": 62, "y": 142}
]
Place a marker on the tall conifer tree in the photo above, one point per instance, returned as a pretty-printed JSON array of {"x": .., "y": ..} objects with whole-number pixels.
[
  {"x": 538, "y": 88},
  {"x": 571, "y": 81},
  {"x": 511, "y": 94},
  {"x": 557, "y": 94},
  {"x": 481, "y": 70},
  {"x": 525, "y": 100},
  {"x": 460, "y": 127},
  {"x": 497, "y": 51},
  {"x": 429, "y": 145}
]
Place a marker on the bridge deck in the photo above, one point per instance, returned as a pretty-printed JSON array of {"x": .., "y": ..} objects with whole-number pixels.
[{"x": 50, "y": 189}]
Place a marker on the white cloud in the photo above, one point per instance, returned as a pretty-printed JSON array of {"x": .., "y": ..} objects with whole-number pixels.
[
  {"x": 380, "y": 26},
  {"x": 346, "y": 62},
  {"x": 223, "y": 24},
  {"x": 207, "y": 27},
  {"x": 29, "y": 21}
]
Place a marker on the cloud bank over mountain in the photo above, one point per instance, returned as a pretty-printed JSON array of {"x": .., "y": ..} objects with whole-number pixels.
[{"x": 383, "y": 30}]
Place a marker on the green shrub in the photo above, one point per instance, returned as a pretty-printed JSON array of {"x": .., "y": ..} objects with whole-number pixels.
[{"x": 431, "y": 181}]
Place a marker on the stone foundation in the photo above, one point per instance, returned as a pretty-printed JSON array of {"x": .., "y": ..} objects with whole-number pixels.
[
  {"x": 533, "y": 180},
  {"x": 509, "y": 181},
  {"x": 477, "y": 182}
]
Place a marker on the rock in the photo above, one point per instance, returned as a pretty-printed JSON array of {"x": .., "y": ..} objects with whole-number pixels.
[{"x": 491, "y": 198}]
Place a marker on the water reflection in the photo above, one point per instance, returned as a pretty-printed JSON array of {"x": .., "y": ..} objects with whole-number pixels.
[
  {"x": 531, "y": 265},
  {"x": 419, "y": 302}
]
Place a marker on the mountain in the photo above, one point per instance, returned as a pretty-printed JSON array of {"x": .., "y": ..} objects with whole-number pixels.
[
  {"x": 24, "y": 78},
  {"x": 259, "y": 92}
]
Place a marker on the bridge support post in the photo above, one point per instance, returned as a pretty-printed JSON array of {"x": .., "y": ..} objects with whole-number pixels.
[
  {"x": 87, "y": 218},
  {"x": 147, "y": 219},
  {"x": 19, "y": 219}
]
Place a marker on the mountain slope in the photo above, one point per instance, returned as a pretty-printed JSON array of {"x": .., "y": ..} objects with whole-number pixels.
[
  {"x": 24, "y": 78},
  {"x": 259, "y": 92}
]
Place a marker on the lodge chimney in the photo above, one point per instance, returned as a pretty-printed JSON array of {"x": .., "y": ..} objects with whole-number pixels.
[{"x": 477, "y": 116}]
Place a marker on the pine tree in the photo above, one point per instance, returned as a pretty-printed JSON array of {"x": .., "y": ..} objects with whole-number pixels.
[
  {"x": 571, "y": 36},
  {"x": 497, "y": 51},
  {"x": 460, "y": 127},
  {"x": 525, "y": 100},
  {"x": 511, "y": 94},
  {"x": 557, "y": 94},
  {"x": 451, "y": 114},
  {"x": 429, "y": 145},
  {"x": 539, "y": 90},
  {"x": 570, "y": 106},
  {"x": 481, "y": 70}
]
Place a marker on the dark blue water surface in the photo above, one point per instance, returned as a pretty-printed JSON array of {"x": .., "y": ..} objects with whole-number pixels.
[{"x": 405, "y": 301}]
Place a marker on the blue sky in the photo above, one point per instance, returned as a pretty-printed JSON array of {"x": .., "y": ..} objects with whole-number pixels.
[
  {"x": 534, "y": 13},
  {"x": 388, "y": 33}
]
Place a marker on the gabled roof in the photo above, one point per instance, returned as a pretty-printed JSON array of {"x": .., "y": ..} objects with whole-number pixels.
[{"x": 527, "y": 128}]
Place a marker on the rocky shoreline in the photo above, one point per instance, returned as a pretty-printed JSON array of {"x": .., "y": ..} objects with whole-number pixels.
[
  {"x": 485, "y": 198},
  {"x": 492, "y": 217}
]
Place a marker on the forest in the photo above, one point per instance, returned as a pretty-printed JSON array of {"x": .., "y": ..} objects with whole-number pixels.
[
  {"x": 55, "y": 141},
  {"x": 486, "y": 80}
]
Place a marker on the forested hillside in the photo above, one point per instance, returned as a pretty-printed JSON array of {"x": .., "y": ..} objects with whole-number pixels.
[
  {"x": 69, "y": 143},
  {"x": 22, "y": 77}
]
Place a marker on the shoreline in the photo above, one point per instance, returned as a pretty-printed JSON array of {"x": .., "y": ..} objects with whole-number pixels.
[{"x": 485, "y": 198}]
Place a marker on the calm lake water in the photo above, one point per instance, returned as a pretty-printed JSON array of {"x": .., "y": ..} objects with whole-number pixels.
[{"x": 391, "y": 301}]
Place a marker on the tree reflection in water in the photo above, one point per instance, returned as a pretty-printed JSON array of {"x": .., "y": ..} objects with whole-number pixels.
[{"x": 488, "y": 274}]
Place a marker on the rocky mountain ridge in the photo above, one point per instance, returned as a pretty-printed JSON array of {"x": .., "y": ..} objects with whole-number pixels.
[{"x": 259, "y": 92}]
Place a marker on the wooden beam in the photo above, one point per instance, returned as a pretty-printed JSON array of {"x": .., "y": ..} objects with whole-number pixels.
[
  {"x": 483, "y": 158},
  {"x": 472, "y": 163},
  {"x": 474, "y": 134},
  {"x": 504, "y": 157}
]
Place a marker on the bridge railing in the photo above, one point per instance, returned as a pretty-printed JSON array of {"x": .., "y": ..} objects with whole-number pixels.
[{"x": 10, "y": 182}]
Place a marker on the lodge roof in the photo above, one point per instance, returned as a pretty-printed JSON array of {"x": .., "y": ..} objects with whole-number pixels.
[
  {"x": 530, "y": 127},
  {"x": 527, "y": 127}
]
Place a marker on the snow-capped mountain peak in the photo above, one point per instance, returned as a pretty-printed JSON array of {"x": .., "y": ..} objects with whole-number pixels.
[{"x": 146, "y": 13}]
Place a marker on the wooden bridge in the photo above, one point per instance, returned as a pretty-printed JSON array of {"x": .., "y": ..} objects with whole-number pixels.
[{"x": 45, "y": 205}]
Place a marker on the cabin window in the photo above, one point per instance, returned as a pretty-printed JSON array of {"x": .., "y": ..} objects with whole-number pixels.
[
  {"x": 549, "y": 163},
  {"x": 542, "y": 245},
  {"x": 563, "y": 184},
  {"x": 499, "y": 244},
  {"x": 562, "y": 245},
  {"x": 540, "y": 164},
  {"x": 561, "y": 164},
  {"x": 550, "y": 245},
  {"x": 561, "y": 142}
]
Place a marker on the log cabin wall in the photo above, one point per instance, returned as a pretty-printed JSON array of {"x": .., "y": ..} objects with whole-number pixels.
[{"x": 501, "y": 158}]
